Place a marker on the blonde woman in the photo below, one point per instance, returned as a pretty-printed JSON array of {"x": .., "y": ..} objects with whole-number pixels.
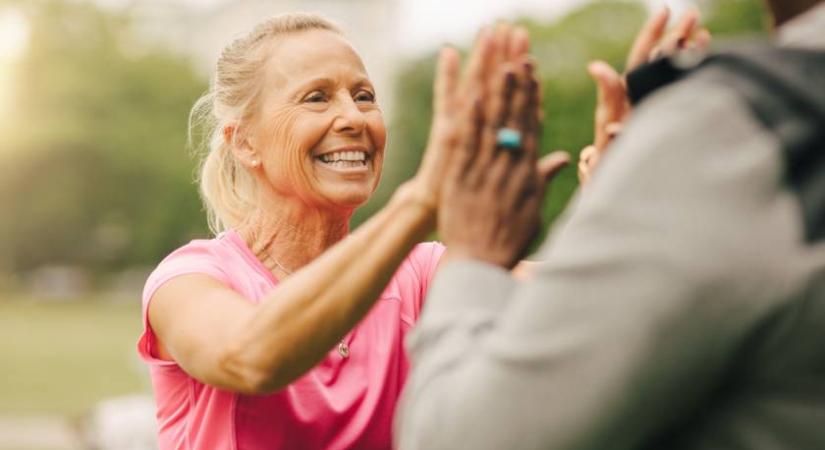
[{"x": 286, "y": 330}]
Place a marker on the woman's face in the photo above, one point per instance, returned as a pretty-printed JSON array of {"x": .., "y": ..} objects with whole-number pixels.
[{"x": 319, "y": 133}]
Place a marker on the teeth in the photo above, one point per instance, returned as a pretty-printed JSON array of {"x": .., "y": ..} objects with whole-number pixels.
[
  {"x": 345, "y": 164},
  {"x": 344, "y": 156}
]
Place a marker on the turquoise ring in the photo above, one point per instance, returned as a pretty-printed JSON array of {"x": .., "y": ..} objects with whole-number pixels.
[{"x": 508, "y": 138}]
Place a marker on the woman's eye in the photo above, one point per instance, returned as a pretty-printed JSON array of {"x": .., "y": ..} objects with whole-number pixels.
[
  {"x": 365, "y": 96},
  {"x": 315, "y": 97}
]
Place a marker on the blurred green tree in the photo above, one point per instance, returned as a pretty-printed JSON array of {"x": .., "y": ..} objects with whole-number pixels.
[
  {"x": 599, "y": 30},
  {"x": 96, "y": 173}
]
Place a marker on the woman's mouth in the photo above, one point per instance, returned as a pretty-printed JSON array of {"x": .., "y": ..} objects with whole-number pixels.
[{"x": 352, "y": 159}]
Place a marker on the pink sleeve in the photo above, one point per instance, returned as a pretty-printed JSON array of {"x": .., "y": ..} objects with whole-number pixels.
[
  {"x": 195, "y": 257},
  {"x": 425, "y": 259}
]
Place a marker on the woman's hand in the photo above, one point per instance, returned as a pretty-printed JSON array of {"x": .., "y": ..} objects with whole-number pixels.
[
  {"x": 490, "y": 209},
  {"x": 451, "y": 96},
  {"x": 612, "y": 105}
]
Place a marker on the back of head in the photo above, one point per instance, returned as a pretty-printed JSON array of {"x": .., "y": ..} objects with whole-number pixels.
[
  {"x": 227, "y": 188},
  {"x": 785, "y": 10}
]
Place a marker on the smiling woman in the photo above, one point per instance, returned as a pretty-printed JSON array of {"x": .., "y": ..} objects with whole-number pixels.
[{"x": 286, "y": 330}]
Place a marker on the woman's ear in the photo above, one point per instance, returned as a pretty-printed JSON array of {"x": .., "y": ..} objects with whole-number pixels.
[{"x": 235, "y": 138}]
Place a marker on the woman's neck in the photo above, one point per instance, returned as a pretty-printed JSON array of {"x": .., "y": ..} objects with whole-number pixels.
[{"x": 287, "y": 234}]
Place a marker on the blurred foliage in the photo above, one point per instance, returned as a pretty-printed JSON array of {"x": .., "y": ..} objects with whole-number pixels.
[
  {"x": 98, "y": 174},
  {"x": 600, "y": 30}
]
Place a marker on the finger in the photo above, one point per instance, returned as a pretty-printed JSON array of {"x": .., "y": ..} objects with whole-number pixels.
[
  {"x": 586, "y": 153},
  {"x": 501, "y": 37},
  {"x": 494, "y": 113},
  {"x": 584, "y": 165},
  {"x": 702, "y": 39},
  {"x": 479, "y": 60},
  {"x": 520, "y": 113},
  {"x": 583, "y": 172},
  {"x": 610, "y": 90},
  {"x": 611, "y": 99},
  {"x": 687, "y": 25},
  {"x": 613, "y": 130},
  {"x": 471, "y": 137},
  {"x": 530, "y": 119},
  {"x": 501, "y": 98},
  {"x": 512, "y": 80},
  {"x": 446, "y": 79},
  {"x": 648, "y": 37},
  {"x": 519, "y": 44},
  {"x": 681, "y": 33},
  {"x": 656, "y": 53},
  {"x": 549, "y": 166}
]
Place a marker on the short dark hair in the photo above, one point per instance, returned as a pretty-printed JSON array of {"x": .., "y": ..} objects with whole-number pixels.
[{"x": 785, "y": 10}]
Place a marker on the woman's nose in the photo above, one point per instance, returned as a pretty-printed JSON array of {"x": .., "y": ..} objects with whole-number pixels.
[{"x": 350, "y": 119}]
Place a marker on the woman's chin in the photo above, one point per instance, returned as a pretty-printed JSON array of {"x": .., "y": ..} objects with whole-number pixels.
[
  {"x": 347, "y": 193},
  {"x": 350, "y": 199}
]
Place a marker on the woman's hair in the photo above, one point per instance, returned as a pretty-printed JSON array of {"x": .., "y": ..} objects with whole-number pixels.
[{"x": 226, "y": 187}]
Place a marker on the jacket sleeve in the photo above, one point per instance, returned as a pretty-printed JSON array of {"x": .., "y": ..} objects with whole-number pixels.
[{"x": 662, "y": 268}]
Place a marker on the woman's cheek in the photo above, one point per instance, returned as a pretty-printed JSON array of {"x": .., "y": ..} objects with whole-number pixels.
[
  {"x": 288, "y": 143},
  {"x": 377, "y": 129},
  {"x": 308, "y": 130}
]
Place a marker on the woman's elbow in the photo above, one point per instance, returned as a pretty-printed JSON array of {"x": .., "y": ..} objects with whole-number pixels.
[{"x": 248, "y": 373}]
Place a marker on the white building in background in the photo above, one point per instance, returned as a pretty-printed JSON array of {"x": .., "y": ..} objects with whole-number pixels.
[{"x": 202, "y": 28}]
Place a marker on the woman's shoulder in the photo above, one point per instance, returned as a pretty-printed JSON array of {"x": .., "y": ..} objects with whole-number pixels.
[
  {"x": 205, "y": 256},
  {"x": 197, "y": 251}
]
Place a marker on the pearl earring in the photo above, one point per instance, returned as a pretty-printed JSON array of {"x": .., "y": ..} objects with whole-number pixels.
[{"x": 254, "y": 163}]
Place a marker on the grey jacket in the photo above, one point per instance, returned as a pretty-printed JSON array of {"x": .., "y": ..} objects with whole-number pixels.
[{"x": 677, "y": 304}]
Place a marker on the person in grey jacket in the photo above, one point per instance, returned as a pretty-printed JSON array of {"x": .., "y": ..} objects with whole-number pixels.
[{"x": 679, "y": 304}]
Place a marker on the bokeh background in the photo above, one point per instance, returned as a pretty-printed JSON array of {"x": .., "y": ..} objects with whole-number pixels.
[{"x": 96, "y": 182}]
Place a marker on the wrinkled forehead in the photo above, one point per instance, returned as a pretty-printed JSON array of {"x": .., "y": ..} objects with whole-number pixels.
[{"x": 295, "y": 58}]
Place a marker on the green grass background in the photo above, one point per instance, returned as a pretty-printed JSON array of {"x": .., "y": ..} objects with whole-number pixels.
[{"x": 62, "y": 358}]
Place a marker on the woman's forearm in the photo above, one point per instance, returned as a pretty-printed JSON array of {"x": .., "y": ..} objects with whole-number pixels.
[{"x": 309, "y": 312}]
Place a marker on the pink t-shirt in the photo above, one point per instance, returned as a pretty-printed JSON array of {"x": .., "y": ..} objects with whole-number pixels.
[{"x": 342, "y": 403}]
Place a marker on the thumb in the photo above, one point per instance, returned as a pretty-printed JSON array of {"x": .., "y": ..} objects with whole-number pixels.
[
  {"x": 611, "y": 98},
  {"x": 608, "y": 83},
  {"x": 550, "y": 165}
]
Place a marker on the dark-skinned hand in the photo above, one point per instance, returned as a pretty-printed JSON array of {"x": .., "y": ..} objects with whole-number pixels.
[{"x": 490, "y": 207}]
